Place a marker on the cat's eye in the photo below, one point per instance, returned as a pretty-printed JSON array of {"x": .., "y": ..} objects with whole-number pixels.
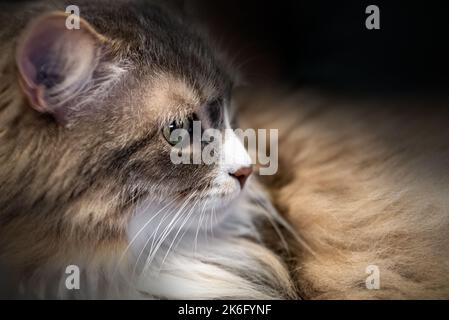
[{"x": 186, "y": 126}]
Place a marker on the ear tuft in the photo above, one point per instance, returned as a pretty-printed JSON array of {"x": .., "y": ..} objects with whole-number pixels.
[{"x": 55, "y": 62}]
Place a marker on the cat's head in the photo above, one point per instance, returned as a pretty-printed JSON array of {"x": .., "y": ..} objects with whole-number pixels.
[{"x": 102, "y": 101}]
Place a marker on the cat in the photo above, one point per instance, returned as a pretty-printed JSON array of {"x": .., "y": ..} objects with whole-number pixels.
[
  {"x": 365, "y": 182},
  {"x": 85, "y": 172},
  {"x": 87, "y": 181}
]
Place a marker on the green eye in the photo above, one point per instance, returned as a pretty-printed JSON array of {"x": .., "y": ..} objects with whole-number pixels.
[{"x": 185, "y": 125}]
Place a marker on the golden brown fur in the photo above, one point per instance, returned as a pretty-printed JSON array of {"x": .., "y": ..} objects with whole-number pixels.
[
  {"x": 365, "y": 182},
  {"x": 82, "y": 154}
]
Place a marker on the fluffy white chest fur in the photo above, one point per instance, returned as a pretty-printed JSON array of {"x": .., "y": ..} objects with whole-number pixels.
[
  {"x": 193, "y": 257},
  {"x": 176, "y": 261}
]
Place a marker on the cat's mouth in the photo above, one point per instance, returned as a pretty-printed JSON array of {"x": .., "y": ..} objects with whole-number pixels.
[
  {"x": 209, "y": 199},
  {"x": 206, "y": 192}
]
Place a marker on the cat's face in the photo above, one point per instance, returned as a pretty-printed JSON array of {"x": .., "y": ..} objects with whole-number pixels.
[{"x": 115, "y": 90}]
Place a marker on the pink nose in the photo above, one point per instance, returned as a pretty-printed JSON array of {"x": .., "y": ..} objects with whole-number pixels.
[{"x": 242, "y": 175}]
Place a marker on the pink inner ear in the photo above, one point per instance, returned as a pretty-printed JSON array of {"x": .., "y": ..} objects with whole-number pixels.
[
  {"x": 37, "y": 46},
  {"x": 54, "y": 62}
]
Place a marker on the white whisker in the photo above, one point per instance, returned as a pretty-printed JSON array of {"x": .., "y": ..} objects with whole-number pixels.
[
  {"x": 189, "y": 214},
  {"x": 165, "y": 233},
  {"x": 138, "y": 233}
]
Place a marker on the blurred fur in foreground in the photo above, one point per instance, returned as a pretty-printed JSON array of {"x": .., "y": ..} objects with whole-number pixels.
[{"x": 365, "y": 182}]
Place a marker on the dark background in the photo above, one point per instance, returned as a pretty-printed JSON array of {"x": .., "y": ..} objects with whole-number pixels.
[{"x": 326, "y": 44}]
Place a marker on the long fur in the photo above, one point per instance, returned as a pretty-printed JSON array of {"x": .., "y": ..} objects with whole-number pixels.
[
  {"x": 228, "y": 261},
  {"x": 69, "y": 192},
  {"x": 365, "y": 181}
]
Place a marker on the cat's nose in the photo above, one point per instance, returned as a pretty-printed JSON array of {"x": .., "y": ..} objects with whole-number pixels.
[{"x": 242, "y": 175}]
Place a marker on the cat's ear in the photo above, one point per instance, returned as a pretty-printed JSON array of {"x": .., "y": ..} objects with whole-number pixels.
[{"x": 55, "y": 62}]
